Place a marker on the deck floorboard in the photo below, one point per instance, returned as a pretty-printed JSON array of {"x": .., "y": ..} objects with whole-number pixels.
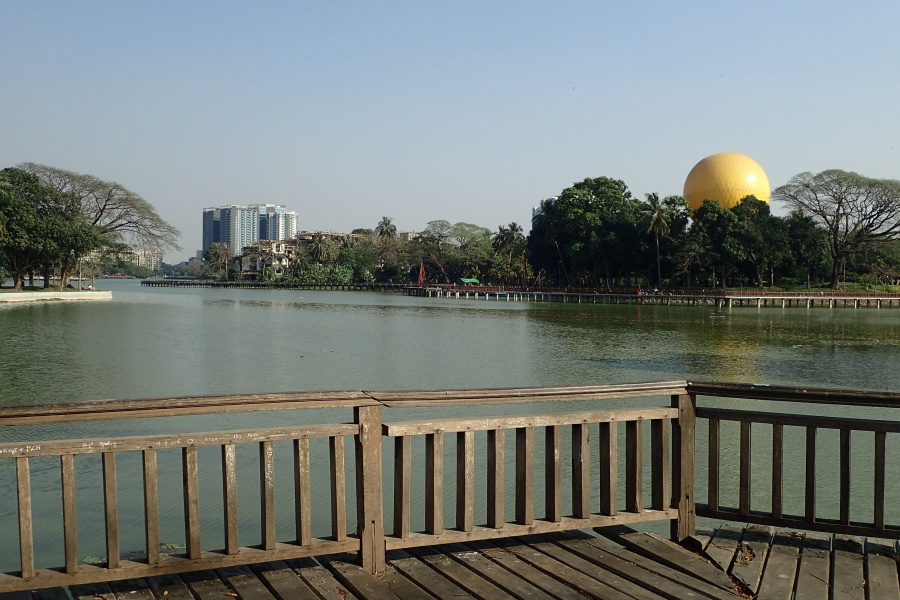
[{"x": 620, "y": 565}]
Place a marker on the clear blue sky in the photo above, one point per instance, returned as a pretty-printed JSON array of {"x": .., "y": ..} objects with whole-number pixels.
[{"x": 348, "y": 111}]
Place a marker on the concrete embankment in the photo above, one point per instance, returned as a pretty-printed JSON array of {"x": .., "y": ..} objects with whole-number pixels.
[{"x": 8, "y": 297}]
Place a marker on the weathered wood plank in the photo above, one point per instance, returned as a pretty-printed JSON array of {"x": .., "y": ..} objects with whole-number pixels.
[
  {"x": 465, "y": 480},
  {"x": 476, "y": 423},
  {"x": 460, "y": 575},
  {"x": 191, "y": 493},
  {"x": 402, "y": 485},
  {"x": 525, "y": 476},
  {"x": 425, "y": 577},
  {"x": 434, "y": 483},
  {"x": 667, "y": 553},
  {"x": 553, "y": 473},
  {"x": 151, "y": 506},
  {"x": 683, "y": 579},
  {"x": 751, "y": 555},
  {"x": 92, "y": 591},
  {"x": 267, "y": 494},
  {"x": 229, "y": 497},
  {"x": 746, "y": 443},
  {"x": 302, "y": 493},
  {"x": 878, "y": 492},
  {"x": 57, "y": 593},
  {"x": 536, "y": 577},
  {"x": 491, "y": 571},
  {"x": 581, "y": 471},
  {"x": 848, "y": 580},
  {"x": 661, "y": 490},
  {"x": 712, "y": 499},
  {"x": 634, "y": 466},
  {"x": 810, "y": 491},
  {"x": 608, "y": 456},
  {"x": 111, "y": 509},
  {"x": 170, "y": 587},
  {"x": 369, "y": 501},
  {"x": 722, "y": 548},
  {"x": 283, "y": 581},
  {"x": 70, "y": 526},
  {"x": 206, "y": 585},
  {"x": 777, "y": 470},
  {"x": 321, "y": 580},
  {"x": 132, "y": 589},
  {"x": 844, "y": 490},
  {"x": 565, "y": 573},
  {"x": 881, "y": 568},
  {"x": 338, "y": 488},
  {"x": 617, "y": 586},
  {"x": 402, "y": 587},
  {"x": 683, "y": 434},
  {"x": 245, "y": 583},
  {"x": 781, "y": 567},
  {"x": 496, "y": 461},
  {"x": 814, "y": 574},
  {"x": 362, "y": 583}
]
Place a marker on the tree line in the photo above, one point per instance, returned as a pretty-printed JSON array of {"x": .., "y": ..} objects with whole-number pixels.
[
  {"x": 53, "y": 221},
  {"x": 596, "y": 234}
]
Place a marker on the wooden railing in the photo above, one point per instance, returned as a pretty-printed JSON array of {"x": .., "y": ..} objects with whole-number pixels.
[
  {"x": 515, "y": 472},
  {"x": 810, "y": 511}
]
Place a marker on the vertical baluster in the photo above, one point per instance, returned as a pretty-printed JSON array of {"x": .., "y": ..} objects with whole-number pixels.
[
  {"x": 683, "y": 435},
  {"x": 659, "y": 456},
  {"x": 525, "y": 475},
  {"x": 713, "y": 477},
  {"x": 553, "y": 473},
  {"x": 189, "y": 472},
  {"x": 845, "y": 477},
  {"x": 746, "y": 448},
  {"x": 811, "y": 474},
  {"x": 880, "y": 446},
  {"x": 70, "y": 531},
  {"x": 465, "y": 480},
  {"x": 581, "y": 471},
  {"x": 402, "y": 485},
  {"x": 151, "y": 506},
  {"x": 111, "y": 509},
  {"x": 302, "y": 496},
  {"x": 229, "y": 497},
  {"x": 338, "y": 488},
  {"x": 267, "y": 494},
  {"x": 369, "y": 504},
  {"x": 777, "y": 471},
  {"x": 609, "y": 442},
  {"x": 634, "y": 463},
  {"x": 434, "y": 483},
  {"x": 496, "y": 459},
  {"x": 26, "y": 540}
]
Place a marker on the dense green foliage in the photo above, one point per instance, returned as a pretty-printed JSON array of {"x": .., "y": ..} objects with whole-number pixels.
[{"x": 53, "y": 222}]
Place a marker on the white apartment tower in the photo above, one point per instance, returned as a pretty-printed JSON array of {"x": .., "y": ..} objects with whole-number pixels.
[{"x": 239, "y": 226}]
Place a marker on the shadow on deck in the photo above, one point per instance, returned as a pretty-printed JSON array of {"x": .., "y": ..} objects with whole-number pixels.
[{"x": 728, "y": 562}]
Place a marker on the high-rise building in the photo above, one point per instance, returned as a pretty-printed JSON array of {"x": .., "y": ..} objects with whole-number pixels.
[{"x": 239, "y": 226}]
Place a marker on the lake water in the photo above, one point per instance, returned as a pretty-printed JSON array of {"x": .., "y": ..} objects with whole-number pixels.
[{"x": 180, "y": 342}]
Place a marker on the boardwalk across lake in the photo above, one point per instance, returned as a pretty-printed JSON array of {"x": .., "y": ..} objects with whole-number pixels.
[{"x": 620, "y": 564}]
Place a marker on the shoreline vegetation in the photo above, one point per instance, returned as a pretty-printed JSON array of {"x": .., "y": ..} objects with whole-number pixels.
[{"x": 51, "y": 294}]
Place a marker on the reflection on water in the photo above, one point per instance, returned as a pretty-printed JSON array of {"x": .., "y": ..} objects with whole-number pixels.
[{"x": 167, "y": 343}]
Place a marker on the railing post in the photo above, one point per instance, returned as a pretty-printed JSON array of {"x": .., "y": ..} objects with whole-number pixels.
[
  {"x": 369, "y": 514},
  {"x": 683, "y": 430}
]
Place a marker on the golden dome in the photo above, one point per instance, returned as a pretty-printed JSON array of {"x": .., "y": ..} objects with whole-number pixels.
[{"x": 727, "y": 177}]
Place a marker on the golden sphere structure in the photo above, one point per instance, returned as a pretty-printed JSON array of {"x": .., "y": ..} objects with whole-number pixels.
[{"x": 727, "y": 177}]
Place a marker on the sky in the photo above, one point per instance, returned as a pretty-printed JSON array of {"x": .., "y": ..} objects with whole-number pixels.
[{"x": 349, "y": 111}]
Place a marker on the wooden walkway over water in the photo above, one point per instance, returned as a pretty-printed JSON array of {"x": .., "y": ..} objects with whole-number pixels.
[{"x": 600, "y": 467}]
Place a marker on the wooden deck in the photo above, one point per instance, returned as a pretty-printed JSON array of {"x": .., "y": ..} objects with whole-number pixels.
[{"x": 619, "y": 564}]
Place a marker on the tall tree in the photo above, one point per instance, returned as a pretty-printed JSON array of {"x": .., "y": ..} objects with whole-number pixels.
[
  {"x": 656, "y": 218},
  {"x": 854, "y": 210},
  {"x": 386, "y": 230}
]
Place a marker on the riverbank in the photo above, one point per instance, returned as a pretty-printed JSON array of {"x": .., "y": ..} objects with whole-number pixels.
[{"x": 9, "y": 296}]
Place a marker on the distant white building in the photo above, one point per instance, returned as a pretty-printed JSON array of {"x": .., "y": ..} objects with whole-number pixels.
[
  {"x": 240, "y": 226},
  {"x": 152, "y": 259}
]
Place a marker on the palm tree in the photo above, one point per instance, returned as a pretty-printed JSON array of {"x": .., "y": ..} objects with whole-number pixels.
[
  {"x": 386, "y": 229},
  {"x": 657, "y": 217}
]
